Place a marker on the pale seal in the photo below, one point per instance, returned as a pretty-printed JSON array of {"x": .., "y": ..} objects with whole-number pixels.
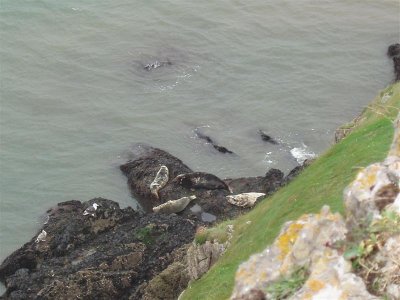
[
  {"x": 159, "y": 181},
  {"x": 173, "y": 206},
  {"x": 245, "y": 199}
]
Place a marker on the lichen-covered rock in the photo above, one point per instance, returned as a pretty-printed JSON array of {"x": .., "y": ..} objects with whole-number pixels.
[
  {"x": 331, "y": 278},
  {"x": 296, "y": 246},
  {"x": 374, "y": 188},
  {"x": 381, "y": 269},
  {"x": 372, "y": 228},
  {"x": 200, "y": 258}
]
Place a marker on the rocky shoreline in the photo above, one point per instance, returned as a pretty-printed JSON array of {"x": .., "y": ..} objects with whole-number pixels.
[{"x": 96, "y": 250}]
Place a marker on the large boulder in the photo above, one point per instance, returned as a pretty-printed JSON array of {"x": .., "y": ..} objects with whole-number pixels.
[
  {"x": 142, "y": 170},
  {"x": 210, "y": 191},
  {"x": 394, "y": 53},
  {"x": 260, "y": 184}
]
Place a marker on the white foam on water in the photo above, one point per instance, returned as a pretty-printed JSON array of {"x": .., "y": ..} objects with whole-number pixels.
[{"x": 301, "y": 154}]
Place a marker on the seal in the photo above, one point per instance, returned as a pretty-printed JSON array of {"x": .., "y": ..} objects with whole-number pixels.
[
  {"x": 159, "y": 181},
  {"x": 156, "y": 65},
  {"x": 173, "y": 206},
  {"x": 244, "y": 199},
  {"x": 201, "y": 180},
  {"x": 265, "y": 137},
  {"x": 219, "y": 148}
]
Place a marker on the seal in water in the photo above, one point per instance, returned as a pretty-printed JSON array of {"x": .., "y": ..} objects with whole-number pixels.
[
  {"x": 209, "y": 140},
  {"x": 265, "y": 137},
  {"x": 159, "y": 181},
  {"x": 156, "y": 65},
  {"x": 173, "y": 206},
  {"x": 201, "y": 180},
  {"x": 245, "y": 199}
]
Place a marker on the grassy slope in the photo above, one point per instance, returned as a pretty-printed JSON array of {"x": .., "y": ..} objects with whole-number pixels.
[{"x": 321, "y": 183}]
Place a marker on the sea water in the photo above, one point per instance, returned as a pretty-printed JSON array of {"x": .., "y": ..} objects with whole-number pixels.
[{"x": 75, "y": 96}]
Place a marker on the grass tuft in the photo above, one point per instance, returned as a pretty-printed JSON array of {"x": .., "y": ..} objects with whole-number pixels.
[{"x": 285, "y": 287}]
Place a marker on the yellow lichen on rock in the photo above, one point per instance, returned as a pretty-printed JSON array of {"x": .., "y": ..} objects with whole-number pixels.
[
  {"x": 287, "y": 239},
  {"x": 315, "y": 285}
]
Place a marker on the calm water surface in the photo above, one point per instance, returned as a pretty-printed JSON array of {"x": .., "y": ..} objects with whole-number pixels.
[{"x": 75, "y": 96}]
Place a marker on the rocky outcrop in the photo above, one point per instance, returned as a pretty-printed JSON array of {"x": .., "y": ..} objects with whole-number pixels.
[
  {"x": 96, "y": 250},
  {"x": 324, "y": 246},
  {"x": 209, "y": 190},
  {"x": 202, "y": 256},
  {"x": 105, "y": 256},
  {"x": 142, "y": 170},
  {"x": 394, "y": 53},
  {"x": 261, "y": 184}
]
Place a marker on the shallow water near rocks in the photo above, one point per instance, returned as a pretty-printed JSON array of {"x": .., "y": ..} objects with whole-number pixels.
[{"x": 75, "y": 94}]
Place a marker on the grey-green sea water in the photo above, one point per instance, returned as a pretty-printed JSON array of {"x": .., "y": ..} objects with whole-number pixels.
[{"x": 75, "y": 96}]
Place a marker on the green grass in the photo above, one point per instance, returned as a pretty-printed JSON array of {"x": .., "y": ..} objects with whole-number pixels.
[
  {"x": 319, "y": 184},
  {"x": 286, "y": 286}
]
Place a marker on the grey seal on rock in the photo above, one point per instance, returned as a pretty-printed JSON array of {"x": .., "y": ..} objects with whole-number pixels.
[
  {"x": 244, "y": 199},
  {"x": 201, "y": 180},
  {"x": 173, "y": 206},
  {"x": 160, "y": 180}
]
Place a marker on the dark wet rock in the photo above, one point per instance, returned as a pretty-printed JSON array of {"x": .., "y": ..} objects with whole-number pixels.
[
  {"x": 394, "y": 53},
  {"x": 169, "y": 283},
  {"x": 211, "y": 141},
  {"x": 393, "y": 50},
  {"x": 297, "y": 170},
  {"x": 143, "y": 169},
  {"x": 210, "y": 191},
  {"x": 261, "y": 184},
  {"x": 105, "y": 256},
  {"x": 266, "y": 138}
]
